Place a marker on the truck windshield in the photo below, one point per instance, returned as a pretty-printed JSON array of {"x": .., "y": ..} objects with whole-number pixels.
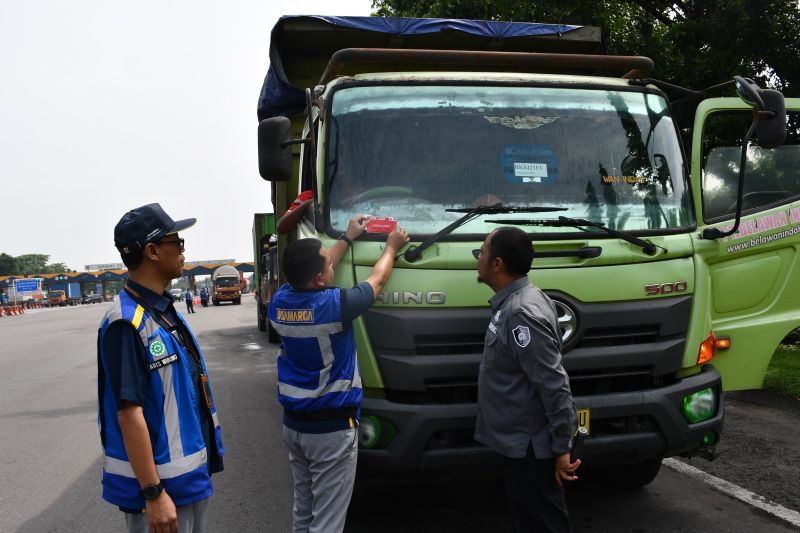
[
  {"x": 227, "y": 282},
  {"x": 410, "y": 152}
]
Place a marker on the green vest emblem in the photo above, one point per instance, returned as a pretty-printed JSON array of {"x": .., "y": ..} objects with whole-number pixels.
[{"x": 157, "y": 348}]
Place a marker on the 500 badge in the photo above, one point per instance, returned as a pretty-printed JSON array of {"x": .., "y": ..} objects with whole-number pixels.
[{"x": 655, "y": 289}]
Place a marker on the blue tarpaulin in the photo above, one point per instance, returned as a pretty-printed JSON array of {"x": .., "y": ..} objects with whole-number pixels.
[{"x": 279, "y": 97}]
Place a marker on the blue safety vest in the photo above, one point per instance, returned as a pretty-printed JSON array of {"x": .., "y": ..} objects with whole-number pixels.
[
  {"x": 171, "y": 413},
  {"x": 317, "y": 367}
]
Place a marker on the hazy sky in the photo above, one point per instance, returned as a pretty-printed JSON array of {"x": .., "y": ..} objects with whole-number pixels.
[{"x": 106, "y": 106}]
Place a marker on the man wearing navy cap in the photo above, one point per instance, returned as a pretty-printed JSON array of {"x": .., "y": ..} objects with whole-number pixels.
[{"x": 158, "y": 422}]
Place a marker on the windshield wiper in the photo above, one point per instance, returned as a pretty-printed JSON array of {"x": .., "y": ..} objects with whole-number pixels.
[
  {"x": 647, "y": 247},
  {"x": 471, "y": 213}
]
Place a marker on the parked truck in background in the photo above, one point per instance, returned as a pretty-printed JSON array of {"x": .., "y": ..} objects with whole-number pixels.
[
  {"x": 56, "y": 298},
  {"x": 226, "y": 285},
  {"x": 672, "y": 278},
  {"x": 61, "y": 294},
  {"x": 265, "y": 277}
]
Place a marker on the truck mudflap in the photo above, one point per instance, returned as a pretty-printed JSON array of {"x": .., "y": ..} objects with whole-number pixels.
[{"x": 628, "y": 427}]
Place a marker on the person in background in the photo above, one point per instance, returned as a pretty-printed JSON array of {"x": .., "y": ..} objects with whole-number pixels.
[
  {"x": 319, "y": 385},
  {"x": 159, "y": 429},
  {"x": 525, "y": 408},
  {"x": 189, "y": 297},
  {"x": 295, "y": 212}
]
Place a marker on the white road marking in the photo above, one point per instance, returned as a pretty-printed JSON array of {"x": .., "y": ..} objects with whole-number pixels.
[
  {"x": 735, "y": 491},
  {"x": 251, "y": 346}
]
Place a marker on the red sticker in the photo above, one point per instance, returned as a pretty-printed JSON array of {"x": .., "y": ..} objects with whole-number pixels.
[{"x": 381, "y": 224}]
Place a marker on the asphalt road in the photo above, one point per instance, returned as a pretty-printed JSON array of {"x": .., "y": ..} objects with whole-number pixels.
[{"x": 50, "y": 452}]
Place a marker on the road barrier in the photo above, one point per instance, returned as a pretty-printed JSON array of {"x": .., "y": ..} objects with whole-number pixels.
[{"x": 12, "y": 310}]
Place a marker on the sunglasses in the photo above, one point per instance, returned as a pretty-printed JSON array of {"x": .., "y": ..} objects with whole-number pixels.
[
  {"x": 178, "y": 242},
  {"x": 476, "y": 253}
]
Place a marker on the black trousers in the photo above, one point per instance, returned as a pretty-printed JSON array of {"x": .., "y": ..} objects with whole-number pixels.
[
  {"x": 537, "y": 501},
  {"x": 189, "y": 306}
]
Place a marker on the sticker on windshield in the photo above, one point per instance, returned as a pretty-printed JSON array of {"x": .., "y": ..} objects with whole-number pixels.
[
  {"x": 529, "y": 163},
  {"x": 530, "y": 172}
]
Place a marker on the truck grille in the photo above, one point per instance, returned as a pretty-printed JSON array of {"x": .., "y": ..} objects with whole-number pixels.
[{"x": 433, "y": 356}]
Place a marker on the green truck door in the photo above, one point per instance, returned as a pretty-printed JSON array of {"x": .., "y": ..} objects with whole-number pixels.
[{"x": 747, "y": 284}]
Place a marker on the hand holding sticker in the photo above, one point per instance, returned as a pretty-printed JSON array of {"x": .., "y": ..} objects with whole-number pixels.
[{"x": 381, "y": 224}]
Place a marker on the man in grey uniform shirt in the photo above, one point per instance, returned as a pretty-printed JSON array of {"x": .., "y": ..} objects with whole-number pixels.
[{"x": 525, "y": 407}]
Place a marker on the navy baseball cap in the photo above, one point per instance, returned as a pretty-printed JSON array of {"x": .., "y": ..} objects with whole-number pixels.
[{"x": 145, "y": 224}]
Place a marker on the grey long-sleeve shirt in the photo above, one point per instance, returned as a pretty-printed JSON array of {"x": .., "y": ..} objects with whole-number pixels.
[{"x": 523, "y": 390}]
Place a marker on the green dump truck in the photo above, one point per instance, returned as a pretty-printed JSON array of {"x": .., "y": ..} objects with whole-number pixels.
[{"x": 674, "y": 278}]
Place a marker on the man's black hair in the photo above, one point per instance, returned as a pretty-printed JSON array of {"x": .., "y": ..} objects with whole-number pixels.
[
  {"x": 302, "y": 261},
  {"x": 514, "y": 247},
  {"x": 133, "y": 259}
]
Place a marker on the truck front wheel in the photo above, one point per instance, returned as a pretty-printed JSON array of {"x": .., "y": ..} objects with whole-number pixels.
[
  {"x": 262, "y": 319},
  {"x": 272, "y": 335}
]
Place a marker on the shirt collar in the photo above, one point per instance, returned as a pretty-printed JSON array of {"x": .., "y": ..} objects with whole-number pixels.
[
  {"x": 497, "y": 300},
  {"x": 158, "y": 301}
]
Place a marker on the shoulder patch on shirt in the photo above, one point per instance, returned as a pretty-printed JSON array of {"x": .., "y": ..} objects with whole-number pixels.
[{"x": 522, "y": 336}]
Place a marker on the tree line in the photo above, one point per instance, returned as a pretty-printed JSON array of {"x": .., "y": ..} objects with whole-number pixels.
[
  {"x": 29, "y": 264},
  {"x": 694, "y": 43}
]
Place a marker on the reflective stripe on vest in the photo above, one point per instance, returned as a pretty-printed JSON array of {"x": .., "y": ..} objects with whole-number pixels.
[
  {"x": 174, "y": 468},
  {"x": 322, "y": 332}
]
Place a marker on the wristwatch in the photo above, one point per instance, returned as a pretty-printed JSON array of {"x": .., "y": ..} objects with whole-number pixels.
[
  {"x": 343, "y": 237},
  {"x": 152, "y": 491}
]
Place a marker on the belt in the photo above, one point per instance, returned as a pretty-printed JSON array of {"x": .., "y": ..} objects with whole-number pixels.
[
  {"x": 325, "y": 421},
  {"x": 319, "y": 415}
]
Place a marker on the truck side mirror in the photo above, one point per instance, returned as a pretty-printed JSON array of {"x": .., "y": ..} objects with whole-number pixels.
[
  {"x": 770, "y": 111},
  {"x": 274, "y": 150},
  {"x": 771, "y": 128}
]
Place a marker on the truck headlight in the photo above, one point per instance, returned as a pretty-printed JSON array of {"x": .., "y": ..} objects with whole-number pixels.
[{"x": 700, "y": 406}]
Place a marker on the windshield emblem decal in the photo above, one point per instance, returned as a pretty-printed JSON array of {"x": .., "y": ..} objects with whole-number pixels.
[{"x": 521, "y": 123}]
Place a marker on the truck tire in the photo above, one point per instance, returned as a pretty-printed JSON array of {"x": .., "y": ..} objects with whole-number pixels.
[
  {"x": 237, "y": 301},
  {"x": 272, "y": 335},
  {"x": 262, "y": 319},
  {"x": 630, "y": 477}
]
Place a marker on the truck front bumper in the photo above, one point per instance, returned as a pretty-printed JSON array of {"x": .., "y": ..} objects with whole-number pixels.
[
  {"x": 627, "y": 427},
  {"x": 224, "y": 297}
]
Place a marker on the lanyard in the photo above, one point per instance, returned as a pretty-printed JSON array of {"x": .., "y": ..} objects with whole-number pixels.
[{"x": 190, "y": 346}]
